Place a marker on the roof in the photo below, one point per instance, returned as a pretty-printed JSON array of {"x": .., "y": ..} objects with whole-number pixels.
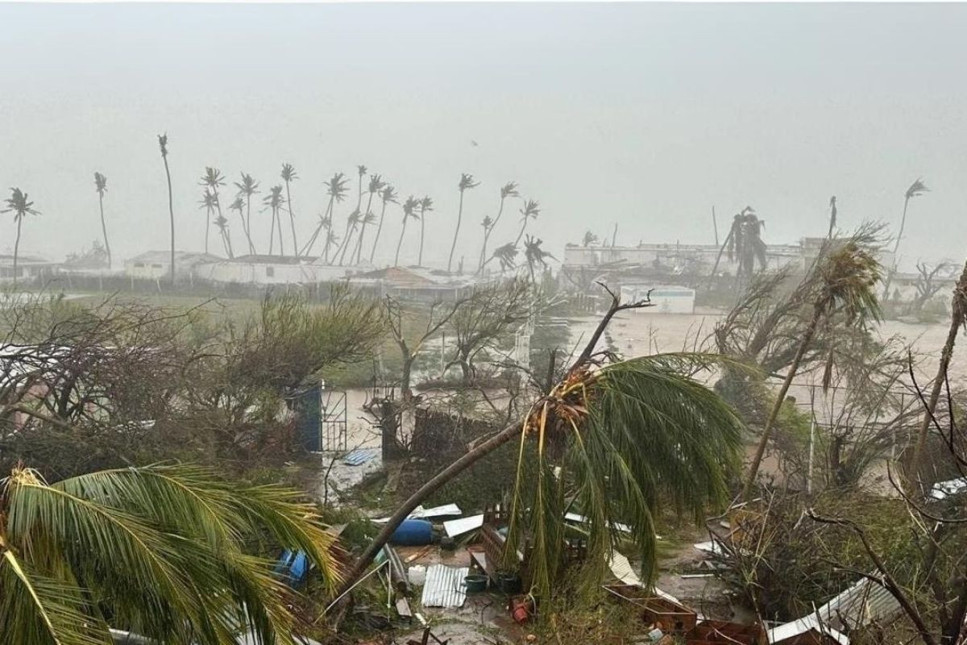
[
  {"x": 24, "y": 260},
  {"x": 160, "y": 257},
  {"x": 269, "y": 259},
  {"x": 410, "y": 277}
]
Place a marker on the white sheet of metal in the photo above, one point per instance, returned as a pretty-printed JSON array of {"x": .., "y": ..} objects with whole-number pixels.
[
  {"x": 463, "y": 525},
  {"x": 445, "y": 586}
]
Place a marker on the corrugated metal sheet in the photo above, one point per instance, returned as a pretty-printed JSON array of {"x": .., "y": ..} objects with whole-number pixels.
[
  {"x": 861, "y": 604},
  {"x": 445, "y": 586}
]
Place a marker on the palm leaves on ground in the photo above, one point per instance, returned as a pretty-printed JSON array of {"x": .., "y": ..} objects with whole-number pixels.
[
  {"x": 246, "y": 189},
  {"x": 336, "y": 189},
  {"x": 467, "y": 182},
  {"x": 100, "y": 185},
  {"x": 530, "y": 211},
  {"x": 426, "y": 205},
  {"x": 288, "y": 176},
  {"x": 409, "y": 211},
  {"x": 388, "y": 196},
  {"x": 274, "y": 201},
  {"x": 160, "y": 551},
  {"x": 848, "y": 272},
  {"x": 507, "y": 190},
  {"x": 583, "y": 450},
  {"x": 213, "y": 179},
  {"x": 208, "y": 201},
  {"x": 20, "y": 205}
]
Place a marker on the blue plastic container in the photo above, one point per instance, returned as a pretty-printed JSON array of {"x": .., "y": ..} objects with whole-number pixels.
[{"x": 413, "y": 533}]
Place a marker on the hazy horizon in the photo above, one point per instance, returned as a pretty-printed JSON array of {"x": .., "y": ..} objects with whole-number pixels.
[{"x": 644, "y": 115}]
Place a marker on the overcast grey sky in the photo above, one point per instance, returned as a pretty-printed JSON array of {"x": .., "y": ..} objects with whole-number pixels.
[{"x": 641, "y": 114}]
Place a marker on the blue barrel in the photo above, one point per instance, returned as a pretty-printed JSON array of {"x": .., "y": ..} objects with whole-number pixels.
[{"x": 413, "y": 533}]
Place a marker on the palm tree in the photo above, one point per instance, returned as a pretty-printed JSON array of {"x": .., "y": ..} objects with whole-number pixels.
[
  {"x": 581, "y": 450},
  {"x": 331, "y": 241},
  {"x": 288, "y": 176},
  {"x": 743, "y": 243},
  {"x": 246, "y": 188},
  {"x": 488, "y": 224},
  {"x": 589, "y": 239},
  {"x": 426, "y": 205},
  {"x": 352, "y": 222},
  {"x": 274, "y": 201},
  {"x": 530, "y": 211},
  {"x": 506, "y": 255},
  {"x": 20, "y": 205},
  {"x": 361, "y": 171},
  {"x": 409, "y": 210},
  {"x": 387, "y": 195},
  {"x": 336, "y": 189},
  {"x": 535, "y": 255},
  {"x": 916, "y": 189},
  {"x": 466, "y": 182},
  {"x": 238, "y": 205},
  {"x": 161, "y": 550},
  {"x": 163, "y": 144},
  {"x": 376, "y": 184},
  {"x": 222, "y": 225},
  {"x": 212, "y": 180},
  {"x": 208, "y": 201},
  {"x": 847, "y": 278},
  {"x": 507, "y": 190},
  {"x": 100, "y": 185},
  {"x": 832, "y": 217}
]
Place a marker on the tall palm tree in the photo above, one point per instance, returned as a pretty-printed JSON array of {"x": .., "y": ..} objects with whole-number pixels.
[
  {"x": 743, "y": 243},
  {"x": 916, "y": 189},
  {"x": 20, "y": 205},
  {"x": 581, "y": 450},
  {"x": 467, "y": 182},
  {"x": 388, "y": 196},
  {"x": 208, "y": 201},
  {"x": 288, "y": 176},
  {"x": 507, "y": 190},
  {"x": 530, "y": 211},
  {"x": 409, "y": 210},
  {"x": 488, "y": 224},
  {"x": 274, "y": 201},
  {"x": 376, "y": 185},
  {"x": 222, "y": 225},
  {"x": 336, "y": 189},
  {"x": 331, "y": 242},
  {"x": 246, "y": 189},
  {"x": 361, "y": 171},
  {"x": 163, "y": 551},
  {"x": 238, "y": 205},
  {"x": 163, "y": 144},
  {"x": 100, "y": 185},
  {"x": 352, "y": 223},
  {"x": 426, "y": 205},
  {"x": 535, "y": 255},
  {"x": 847, "y": 279},
  {"x": 213, "y": 179}
]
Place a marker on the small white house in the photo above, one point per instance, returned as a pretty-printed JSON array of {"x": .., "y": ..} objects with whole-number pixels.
[
  {"x": 271, "y": 269},
  {"x": 665, "y": 300},
  {"x": 155, "y": 265},
  {"x": 29, "y": 267}
]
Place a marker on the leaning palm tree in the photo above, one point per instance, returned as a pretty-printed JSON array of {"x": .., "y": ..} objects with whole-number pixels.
[
  {"x": 589, "y": 239},
  {"x": 331, "y": 242},
  {"x": 100, "y": 185},
  {"x": 274, "y": 201},
  {"x": 352, "y": 223},
  {"x": 847, "y": 278},
  {"x": 409, "y": 211},
  {"x": 20, "y": 205},
  {"x": 163, "y": 144},
  {"x": 466, "y": 183},
  {"x": 506, "y": 256},
  {"x": 364, "y": 221},
  {"x": 530, "y": 211},
  {"x": 288, "y": 176},
  {"x": 535, "y": 255},
  {"x": 238, "y": 205},
  {"x": 213, "y": 180},
  {"x": 222, "y": 225},
  {"x": 246, "y": 189},
  {"x": 208, "y": 201},
  {"x": 581, "y": 451},
  {"x": 158, "y": 554},
  {"x": 488, "y": 225},
  {"x": 376, "y": 185},
  {"x": 336, "y": 189},
  {"x": 388, "y": 196},
  {"x": 426, "y": 205},
  {"x": 916, "y": 189},
  {"x": 507, "y": 190}
]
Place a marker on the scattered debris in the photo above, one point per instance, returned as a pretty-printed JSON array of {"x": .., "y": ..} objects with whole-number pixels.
[
  {"x": 444, "y": 586},
  {"x": 463, "y": 525}
]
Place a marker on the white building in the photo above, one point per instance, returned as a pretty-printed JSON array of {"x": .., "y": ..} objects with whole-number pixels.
[
  {"x": 664, "y": 299},
  {"x": 273, "y": 269},
  {"x": 29, "y": 267},
  {"x": 155, "y": 265}
]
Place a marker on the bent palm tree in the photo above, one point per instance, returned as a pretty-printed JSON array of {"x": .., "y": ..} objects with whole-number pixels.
[
  {"x": 212, "y": 180},
  {"x": 466, "y": 183},
  {"x": 336, "y": 189},
  {"x": 387, "y": 195},
  {"x": 847, "y": 278},
  {"x": 163, "y": 144},
  {"x": 916, "y": 189},
  {"x": 222, "y": 225},
  {"x": 288, "y": 176},
  {"x": 352, "y": 222},
  {"x": 581, "y": 449},
  {"x": 530, "y": 211},
  {"x": 274, "y": 201},
  {"x": 409, "y": 210},
  {"x": 376, "y": 184},
  {"x": 507, "y": 190},
  {"x": 161, "y": 551},
  {"x": 100, "y": 185},
  {"x": 535, "y": 255},
  {"x": 246, "y": 189},
  {"x": 20, "y": 205},
  {"x": 506, "y": 256},
  {"x": 238, "y": 205},
  {"x": 426, "y": 205},
  {"x": 208, "y": 201},
  {"x": 589, "y": 239}
]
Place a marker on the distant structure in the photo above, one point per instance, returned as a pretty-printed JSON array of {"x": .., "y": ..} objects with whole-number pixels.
[
  {"x": 273, "y": 269},
  {"x": 155, "y": 265},
  {"x": 29, "y": 267}
]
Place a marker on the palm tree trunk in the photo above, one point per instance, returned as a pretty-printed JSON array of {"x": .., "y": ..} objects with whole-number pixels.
[
  {"x": 379, "y": 229},
  {"x": 399, "y": 244},
  {"x": 419, "y": 262},
  {"x": 896, "y": 248},
  {"x": 278, "y": 223},
  {"x": 447, "y": 474},
  {"x": 171, "y": 216},
  {"x": 288, "y": 200},
  {"x": 777, "y": 406},
  {"x": 16, "y": 251},
  {"x": 345, "y": 244},
  {"x": 218, "y": 209},
  {"x": 957, "y": 316},
  {"x": 718, "y": 258},
  {"x": 487, "y": 232},
  {"x": 246, "y": 224},
  {"x": 107, "y": 245},
  {"x": 523, "y": 226},
  {"x": 272, "y": 233},
  {"x": 456, "y": 233}
]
